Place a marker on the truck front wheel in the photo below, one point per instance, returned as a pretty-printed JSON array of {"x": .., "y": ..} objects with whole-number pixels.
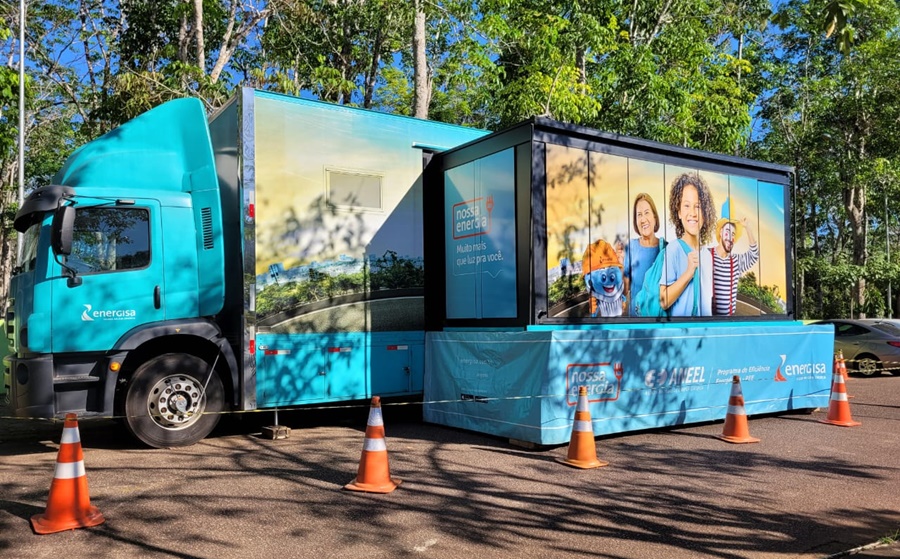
[{"x": 166, "y": 404}]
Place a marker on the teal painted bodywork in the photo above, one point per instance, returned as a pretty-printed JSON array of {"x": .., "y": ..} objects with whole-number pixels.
[
  {"x": 170, "y": 176},
  {"x": 524, "y": 385},
  {"x": 165, "y": 153},
  {"x": 147, "y": 250},
  {"x": 294, "y": 369}
]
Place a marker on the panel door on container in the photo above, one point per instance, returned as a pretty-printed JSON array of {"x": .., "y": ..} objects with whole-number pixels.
[
  {"x": 391, "y": 369},
  {"x": 345, "y": 372},
  {"x": 289, "y": 372}
]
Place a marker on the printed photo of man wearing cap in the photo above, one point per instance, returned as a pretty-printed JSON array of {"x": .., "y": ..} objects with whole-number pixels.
[{"x": 727, "y": 266}]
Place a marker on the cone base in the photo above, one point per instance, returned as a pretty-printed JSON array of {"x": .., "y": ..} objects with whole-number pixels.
[
  {"x": 385, "y": 487},
  {"x": 43, "y": 525},
  {"x": 737, "y": 440},
  {"x": 846, "y": 423},
  {"x": 583, "y": 464}
]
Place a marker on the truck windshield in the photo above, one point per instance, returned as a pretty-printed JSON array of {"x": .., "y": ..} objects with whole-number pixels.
[
  {"x": 110, "y": 239},
  {"x": 29, "y": 248}
]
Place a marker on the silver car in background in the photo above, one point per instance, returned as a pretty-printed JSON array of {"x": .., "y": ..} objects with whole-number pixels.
[{"x": 870, "y": 346}]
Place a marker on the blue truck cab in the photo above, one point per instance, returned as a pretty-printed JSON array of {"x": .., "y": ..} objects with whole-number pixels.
[{"x": 113, "y": 303}]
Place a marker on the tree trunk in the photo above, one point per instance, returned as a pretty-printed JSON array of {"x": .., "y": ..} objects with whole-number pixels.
[
  {"x": 198, "y": 34},
  {"x": 232, "y": 38},
  {"x": 8, "y": 248},
  {"x": 817, "y": 252},
  {"x": 183, "y": 40},
  {"x": 421, "y": 92},
  {"x": 9, "y": 197},
  {"x": 855, "y": 204},
  {"x": 581, "y": 65},
  {"x": 372, "y": 74},
  {"x": 859, "y": 295}
]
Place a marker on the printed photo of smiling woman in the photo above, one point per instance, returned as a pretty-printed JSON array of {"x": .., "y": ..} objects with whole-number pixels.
[{"x": 643, "y": 250}]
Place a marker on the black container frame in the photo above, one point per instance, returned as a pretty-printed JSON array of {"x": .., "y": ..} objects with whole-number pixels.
[{"x": 529, "y": 139}]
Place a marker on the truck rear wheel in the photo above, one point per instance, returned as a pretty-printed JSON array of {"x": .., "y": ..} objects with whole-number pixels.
[{"x": 166, "y": 405}]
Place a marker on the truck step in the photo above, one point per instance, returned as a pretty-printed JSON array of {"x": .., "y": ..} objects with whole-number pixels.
[{"x": 76, "y": 379}]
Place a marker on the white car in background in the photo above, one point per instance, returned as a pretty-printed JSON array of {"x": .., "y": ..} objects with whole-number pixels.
[{"x": 870, "y": 346}]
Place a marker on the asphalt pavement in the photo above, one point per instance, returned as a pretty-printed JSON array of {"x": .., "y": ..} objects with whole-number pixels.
[{"x": 807, "y": 490}]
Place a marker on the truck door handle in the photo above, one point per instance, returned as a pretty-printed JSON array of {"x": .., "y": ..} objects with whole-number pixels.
[{"x": 156, "y": 302}]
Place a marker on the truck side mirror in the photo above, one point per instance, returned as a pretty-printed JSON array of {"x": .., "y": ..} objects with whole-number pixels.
[{"x": 61, "y": 230}]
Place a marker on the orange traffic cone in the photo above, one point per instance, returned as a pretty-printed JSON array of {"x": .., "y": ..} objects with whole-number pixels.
[
  {"x": 69, "y": 505},
  {"x": 841, "y": 365},
  {"x": 839, "y": 407},
  {"x": 737, "y": 429},
  {"x": 582, "y": 447},
  {"x": 374, "y": 475}
]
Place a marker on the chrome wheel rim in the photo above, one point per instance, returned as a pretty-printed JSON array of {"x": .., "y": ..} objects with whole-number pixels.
[{"x": 176, "y": 401}]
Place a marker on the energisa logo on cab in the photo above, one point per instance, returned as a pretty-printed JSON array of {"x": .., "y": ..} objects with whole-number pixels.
[{"x": 90, "y": 315}]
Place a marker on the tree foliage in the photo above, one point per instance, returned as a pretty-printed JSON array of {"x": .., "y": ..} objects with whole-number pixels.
[
  {"x": 834, "y": 114},
  {"x": 814, "y": 85},
  {"x": 333, "y": 48},
  {"x": 9, "y": 85}
]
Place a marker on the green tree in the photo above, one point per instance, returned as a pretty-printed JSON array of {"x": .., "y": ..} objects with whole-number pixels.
[
  {"x": 9, "y": 104},
  {"x": 679, "y": 72},
  {"x": 335, "y": 49},
  {"x": 164, "y": 49},
  {"x": 92, "y": 64},
  {"x": 459, "y": 75},
  {"x": 832, "y": 114}
]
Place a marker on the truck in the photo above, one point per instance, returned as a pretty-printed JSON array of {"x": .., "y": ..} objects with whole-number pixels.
[
  {"x": 180, "y": 267},
  {"x": 287, "y": 252}
]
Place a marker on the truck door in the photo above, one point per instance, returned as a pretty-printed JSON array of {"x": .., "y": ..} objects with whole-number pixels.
[{"x": 117, "y": 253}]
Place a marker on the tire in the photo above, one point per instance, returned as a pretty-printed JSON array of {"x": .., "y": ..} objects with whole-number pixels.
[
  {"x": 165, "y": 406},
  {"x": 868, "y": 365}
]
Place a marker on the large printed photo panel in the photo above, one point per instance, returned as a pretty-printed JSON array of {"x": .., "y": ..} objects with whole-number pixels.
[
  {"x": 587, "y": 233},
  {"x": 568, "y": 210},
  {"x": 339, "y": 242},
  {"x": 643, "y": 240}
]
